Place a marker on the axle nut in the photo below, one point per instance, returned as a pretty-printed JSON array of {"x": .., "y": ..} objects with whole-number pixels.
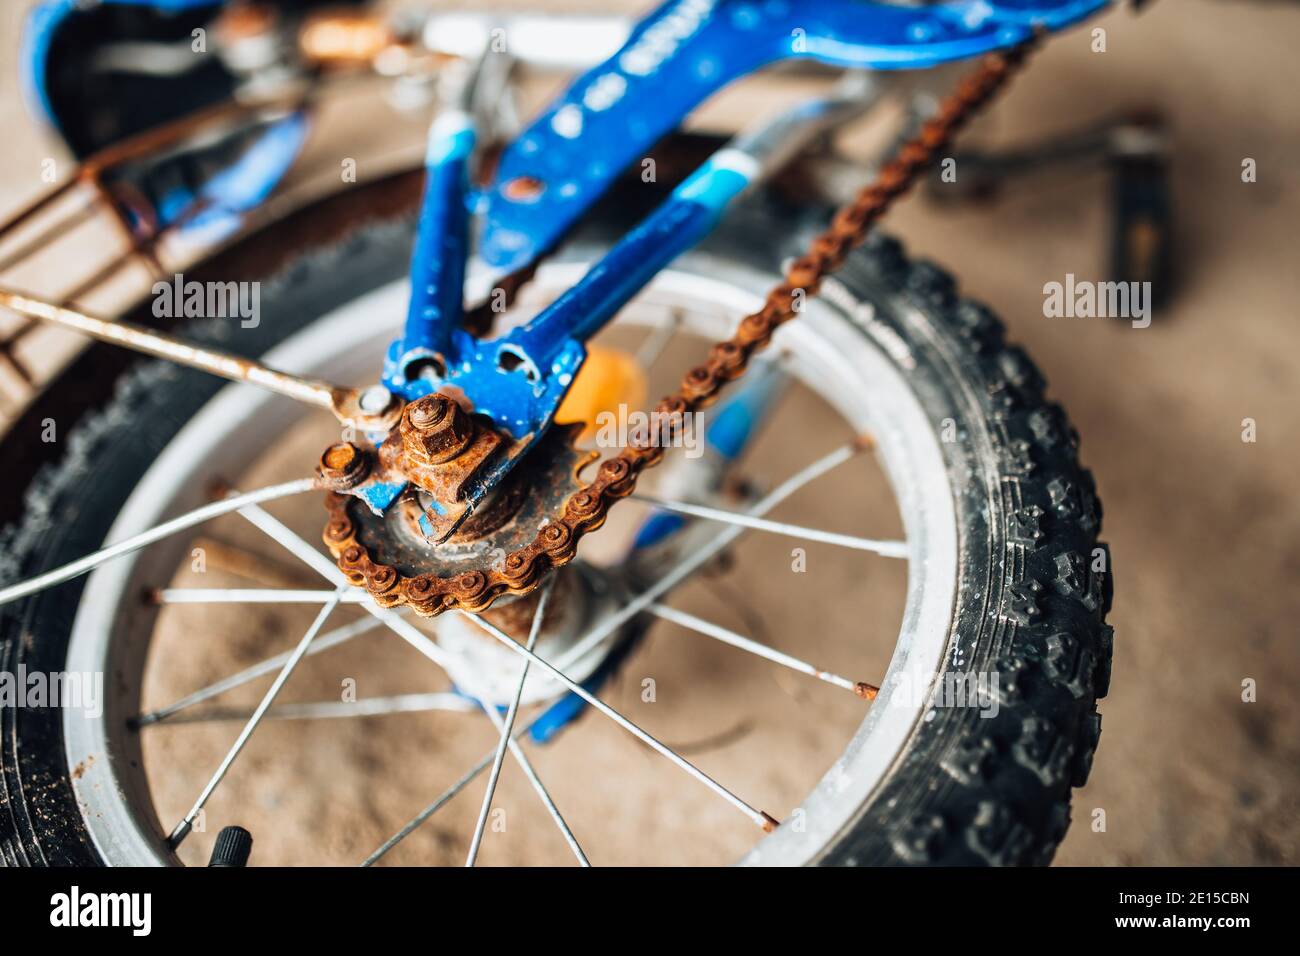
[
  {"x": 342, "y": 466},
  {"x": 436, "y": 429}
]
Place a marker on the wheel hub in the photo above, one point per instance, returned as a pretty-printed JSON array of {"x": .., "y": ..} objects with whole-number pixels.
[
  {"x": 392, "y": 554},
  {"x": 489, "y": 672}
]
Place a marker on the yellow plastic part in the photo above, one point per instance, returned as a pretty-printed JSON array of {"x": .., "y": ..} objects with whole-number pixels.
[{"x": 608, "y": 379}]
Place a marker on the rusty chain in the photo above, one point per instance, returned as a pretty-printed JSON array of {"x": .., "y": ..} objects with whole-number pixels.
[{"x": 556, "y": 542}]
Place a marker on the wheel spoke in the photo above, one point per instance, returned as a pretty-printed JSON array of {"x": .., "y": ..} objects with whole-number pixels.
[
  {"x": 508, "y": 726},
  {"x": 709, "y": 629},
  {"x": 888, "y": 549},
  {"x": 327, "y": 569},
  {"x": 412, "y": 635},
  {"x": 426, "y": 645},
  {"x": 256, "y": 596},
  {"x": 542, "y": 793},
  {"x": 327, "y": 709},
  {"x": 756, "y": 816},
  {"x": 655, "y": 343},
  {"x": 323, "y": 643},
  {"x": 808, "y": 474},
  {"x": 183, "y": 828},
  {"x": 707, "y": 552},
  {"x": 439, "y": 802},
  {"x": 292, "y": 542},
  {"x": 156, "y": 533}
]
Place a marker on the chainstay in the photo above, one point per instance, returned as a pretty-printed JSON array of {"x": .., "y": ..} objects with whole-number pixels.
[{"x": 585, "y": 511}]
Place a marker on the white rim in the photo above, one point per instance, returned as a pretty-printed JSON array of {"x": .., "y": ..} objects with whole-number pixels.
[{"x": 834, "y": 357}]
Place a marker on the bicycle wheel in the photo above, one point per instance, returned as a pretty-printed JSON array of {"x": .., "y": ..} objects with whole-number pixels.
[{"x": 987, "y": 639}]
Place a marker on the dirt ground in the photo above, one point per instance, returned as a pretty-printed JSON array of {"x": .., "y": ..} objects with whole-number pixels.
[{"x": 1204, "y": 527}]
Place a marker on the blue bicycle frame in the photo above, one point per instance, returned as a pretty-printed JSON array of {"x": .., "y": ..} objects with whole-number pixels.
[
  {"x": 558, "y": 167},
  {"x": 608, "y": 119},
  {"x": 675, "y": 58}
]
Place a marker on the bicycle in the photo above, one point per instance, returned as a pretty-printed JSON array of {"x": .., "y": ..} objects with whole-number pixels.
[{"x": 468, "y": 472}]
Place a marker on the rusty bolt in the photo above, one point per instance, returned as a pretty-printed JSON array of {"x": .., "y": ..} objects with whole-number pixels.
[
  {"x": 436, "y": 429},
  {"x": 375, "y": 400},
  {"x": 342, "y": 466}
]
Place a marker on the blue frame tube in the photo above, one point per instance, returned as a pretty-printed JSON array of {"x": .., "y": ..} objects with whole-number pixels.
[
  {"x": 441, "y": 244},
  {"x": 688, "y": 215}
]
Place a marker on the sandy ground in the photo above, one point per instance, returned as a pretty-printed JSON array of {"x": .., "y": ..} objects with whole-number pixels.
[{"x": 1203, "y": 526}]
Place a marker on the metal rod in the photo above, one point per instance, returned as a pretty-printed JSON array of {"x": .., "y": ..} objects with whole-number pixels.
[
  {"x": 327, "y": 569},
  {"x": 135, "y": 542},
  {"x": 70, "y": 298},
  {"x": 499, "y": 757},
  {"x": 255, "y": 596},
  {"x": 227, "y": 365},
  {"x": 888, "y": 549},
  {"x": 707, "y": 552},
  {"x": 183, "y": 828},
  {"x": 657, "y": 341},
  {"x": 443, "y": 658},
  {"x": 813, "y": 471},
  {"x": 538, "y": 787},
  {"x": 773, "y": 141},
  {"x": 325, "y": 642},
  {"x": 416, "y": 638},
  {"x": 709, "y": 629},
  {"x": 35, "y": 206},
  {"x": 439, "y": 802},
  {"x": 327, "y": 709},
  {"x": 757, "y": 816},
  {"x": 50, "y": 234}
]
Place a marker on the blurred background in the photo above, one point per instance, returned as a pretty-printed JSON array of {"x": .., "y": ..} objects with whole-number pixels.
[{"x": 1204, "y": 527}]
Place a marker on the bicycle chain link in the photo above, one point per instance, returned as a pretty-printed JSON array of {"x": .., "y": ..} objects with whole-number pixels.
[{"x": 585, "y": 511}]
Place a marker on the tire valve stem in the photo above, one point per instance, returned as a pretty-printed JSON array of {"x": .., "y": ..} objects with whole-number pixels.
[{"x": 232, "y": 848}]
